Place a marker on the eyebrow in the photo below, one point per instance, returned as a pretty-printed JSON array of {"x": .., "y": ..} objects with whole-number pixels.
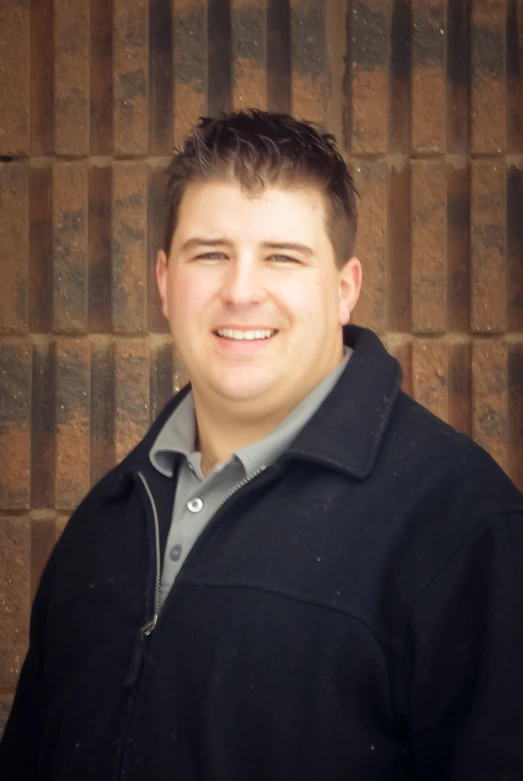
[{"x": 296, "y": 246}]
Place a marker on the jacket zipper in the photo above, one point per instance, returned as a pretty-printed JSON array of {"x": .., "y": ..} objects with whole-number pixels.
[{"x": 148, "y": 628}]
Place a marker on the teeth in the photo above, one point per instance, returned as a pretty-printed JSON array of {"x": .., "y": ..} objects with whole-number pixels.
[{"x": 233, "y": 334}]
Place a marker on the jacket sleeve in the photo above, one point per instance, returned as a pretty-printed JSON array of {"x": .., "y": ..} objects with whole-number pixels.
[
  {"x": 20, "y": 745},
  {"x": 463, "y": 661}
]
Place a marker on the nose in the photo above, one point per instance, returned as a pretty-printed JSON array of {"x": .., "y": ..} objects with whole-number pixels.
[{"x": 243, "y": 283}]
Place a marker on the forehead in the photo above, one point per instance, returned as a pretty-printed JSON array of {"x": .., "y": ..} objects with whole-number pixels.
[{"x": 223, "y": 209}]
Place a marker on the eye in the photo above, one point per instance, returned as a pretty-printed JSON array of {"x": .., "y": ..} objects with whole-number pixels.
[
  {"x": 211, "y": 256},
  {"x": 283, "y": 259}
]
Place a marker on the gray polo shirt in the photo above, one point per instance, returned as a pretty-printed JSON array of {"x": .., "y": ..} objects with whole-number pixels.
[{"x": 197, "y": 497}]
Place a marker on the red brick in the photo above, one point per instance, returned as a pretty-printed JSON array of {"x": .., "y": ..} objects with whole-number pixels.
[
  {"x": 308, "y": 44},
  {"x": 102, "y": 410},
  {"x": 99, "y": 268},
  {"x": 156, "y": 322},
  {"x": 490, "y": 398},
  {"x": 129, "y": 251},
  {"x": 6, "y": 700},
  {"x": 14, "y": 228},
  {"x": 399, "y": 249},
  {"x": 372, "y": 183},
  {"x": 43, "y": 540},
  {"x": 40, "y": 250},
  {"x": 336, "y": 53},
  {"x": 71, "y": 77},
  {"x": 161, "y": 77},
  {"x": 15, "y": 433},
  {"x": 514, "y": 80},
  {"x": 189, "y": 65},
  {"x": 72, "y": 478},
  {"x": 488, "y": 99},
  {"x": 15, "y": 552},
  {"x": 249, "y": 58},
  {"x": 131, "y": 77},
  {"x": 458, "y": 248},
  {"x": 70, "y": 240},
  {"x": 43, "y": 430},
  {"x": 161, "y": 379},
  {"x": 403, "y": 353},
  {"x": 430, "y": 368},
  {"x": 370, "y": 75},
  {"x": 428, "y": 76},
  {"x": 515, "y": 413},
  {"x": 131, "y": 394},
  {"x": 101, "y": 76},
  {"x": 14, "y": 67},
  {"x": 458, "y": 76},
  {"x": 429, "y": 247},
  {"x": 400, "y": 76},
  {"x": 515, "y": 248},
  {"x": 278, "y": 57},
  {"x": 460, "y": 385},
  {"x": 488, "y": 247}
]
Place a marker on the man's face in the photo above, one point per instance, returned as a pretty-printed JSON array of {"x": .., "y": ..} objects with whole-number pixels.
[{"x": 253, "y": 296}]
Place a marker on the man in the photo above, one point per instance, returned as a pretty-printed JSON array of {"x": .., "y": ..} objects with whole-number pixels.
[{"x": 299, "y": 573}]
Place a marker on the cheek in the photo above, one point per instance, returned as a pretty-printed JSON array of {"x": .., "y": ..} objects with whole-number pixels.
[{"x": 187, "y": 296}]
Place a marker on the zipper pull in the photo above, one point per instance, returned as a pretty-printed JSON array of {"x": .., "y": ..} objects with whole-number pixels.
[{"x": 148, "y": 628}]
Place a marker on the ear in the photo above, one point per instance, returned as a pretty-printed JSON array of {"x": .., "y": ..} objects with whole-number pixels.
[
  {"x": 161, "y": 279},
  {"x": 349, "y": 289}
]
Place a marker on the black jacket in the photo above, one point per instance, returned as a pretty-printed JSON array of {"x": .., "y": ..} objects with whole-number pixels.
[{"x": 353, "y": 612}]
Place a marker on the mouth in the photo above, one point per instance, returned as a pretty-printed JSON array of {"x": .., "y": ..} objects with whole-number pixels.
[{"x": 246, "y": 335}]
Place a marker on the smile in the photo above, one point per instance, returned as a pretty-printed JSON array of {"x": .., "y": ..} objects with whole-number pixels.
[{"x": 230, "y": 333}]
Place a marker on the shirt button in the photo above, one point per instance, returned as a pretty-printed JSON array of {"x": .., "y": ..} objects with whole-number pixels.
[
  {"x": 195, "y": 505},
  {"x": 175, "y": 553}
]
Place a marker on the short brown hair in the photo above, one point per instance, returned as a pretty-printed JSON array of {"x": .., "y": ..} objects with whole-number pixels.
[{"x": 259, "y": 149}]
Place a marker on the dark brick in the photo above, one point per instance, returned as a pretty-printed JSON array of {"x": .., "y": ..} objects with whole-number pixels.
[
  {"x": 70, "y": 207},
  {"x": 160, "y": 76},
  {"x": 71, "y": 78},
  {"x": 429, "y": 97},
  {"x": 460, "y": 388},
  {"x": 42, "y": 77},
  {"x": 73, "y": 371},
  {"x": 131, "y": 77},
  {"x": 249, "y": 56},
  {"x": 278, "y": 56},
  {"x": 131, "y": 394},
  {"x": 219, "y": 75},
  {"x": 190, "y": 65},
  {"x": 102, "y": 410},
  {"x": 161, "y": 382},
  {"x": 43, "y": 430},
  {"x": 308, "y": 60},
  {"x": 488, "y": 250},
  {"x": 514, "y": 76},
  {"x": 488, "y": 99},
  {"x": 400, "y": 76},
  {"x": 129, "y": 252},
  {"x": 14, "y": 242},
  {"x": 15, "y": 552},
  {"x": 489, "y": 398},
  {"x": 156, "y": 322},
  {"x": 372, "y": 183},
  {"x": 101, "y": 76},
  {"x": 429, "y": 247},
  {"x": 458, "y": 75},
  {"x": 15, "y": 434},
  {"x": 99, "y": 270},
  {"x": 515, "y": 248},
  {"x": 430, "y": 368},
  {"x": 14, "y": 67},
  {"x": 370, "y": 76},
  {"x": 399, "y": 249},
  {"x": 40, "y": 250},
  {"x": 458, "y": 248}
]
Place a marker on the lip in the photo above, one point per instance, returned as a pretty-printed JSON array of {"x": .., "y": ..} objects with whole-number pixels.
[{"x": 243, "y": 346}]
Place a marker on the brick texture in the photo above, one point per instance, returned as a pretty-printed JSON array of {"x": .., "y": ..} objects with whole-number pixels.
[{"x": 425, "y": 97}]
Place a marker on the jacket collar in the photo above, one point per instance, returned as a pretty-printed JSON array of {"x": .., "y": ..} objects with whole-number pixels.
[{"x": 344, "y": 434}]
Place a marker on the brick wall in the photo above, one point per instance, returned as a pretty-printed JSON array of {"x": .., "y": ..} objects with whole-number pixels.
[{"x": 426, "y": 99}]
